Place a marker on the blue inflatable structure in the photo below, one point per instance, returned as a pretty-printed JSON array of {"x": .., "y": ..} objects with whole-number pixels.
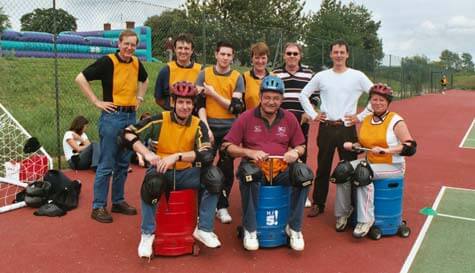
[{"x": 90, "y": 44}]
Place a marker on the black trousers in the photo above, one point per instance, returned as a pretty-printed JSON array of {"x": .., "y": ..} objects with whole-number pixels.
[
  {"x": 225, "y": 164},
  {"x": 330, "y": 137},
  {"x": 305, "y": 128}
]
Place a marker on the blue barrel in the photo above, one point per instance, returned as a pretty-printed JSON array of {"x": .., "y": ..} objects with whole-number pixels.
[
  {"x": 388, "y": 204},
  {"x": 272, "y": 215}
]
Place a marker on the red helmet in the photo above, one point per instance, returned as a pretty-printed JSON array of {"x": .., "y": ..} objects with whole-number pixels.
[
  {"x": 382, "y": 90},
  {"x": 184, "y": 89}
]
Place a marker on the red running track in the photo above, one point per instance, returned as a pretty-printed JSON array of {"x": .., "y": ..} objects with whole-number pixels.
[{"x": 75, "y": 243}]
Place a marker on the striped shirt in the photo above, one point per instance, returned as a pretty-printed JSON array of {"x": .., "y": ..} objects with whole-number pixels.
[{"x": 294, "y": 83}]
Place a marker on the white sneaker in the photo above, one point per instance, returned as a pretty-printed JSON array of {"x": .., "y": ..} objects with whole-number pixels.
[
  {"x": 296, "y": 239},
  {"x": 362, "y": 229},
  {"x": 308, "y": 203},
  {"x": 250, "y": 241},
  {"x": 209, "y": 239},
  {"x": 342, "y": 221},
  {"x": 145, "y": 245},
  {"x": 223, "y": 215}
]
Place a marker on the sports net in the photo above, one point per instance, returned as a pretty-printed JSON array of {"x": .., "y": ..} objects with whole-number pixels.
[{"x": 17, "y": 168}]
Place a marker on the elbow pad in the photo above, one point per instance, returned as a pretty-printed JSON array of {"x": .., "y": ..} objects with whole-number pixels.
[
  {"x": 236, "y": 107},
  {"x": 204, "y": 158},
  {"x": 409, "y": 148},
  {"x": 124, "y": 142},
  {"x": 315, "y": 101}
]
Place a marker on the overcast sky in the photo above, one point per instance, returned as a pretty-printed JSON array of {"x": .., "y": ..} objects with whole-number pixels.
[{"x": 408, "y": 27}]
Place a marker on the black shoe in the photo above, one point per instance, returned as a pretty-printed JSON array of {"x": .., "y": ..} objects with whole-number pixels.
[
  {"x": 124, "y": 208},
  {"x": 315, "y": 210},
  {"x": 101, "y": 215}
]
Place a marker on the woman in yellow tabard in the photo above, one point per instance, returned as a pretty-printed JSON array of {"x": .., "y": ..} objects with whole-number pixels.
[
  {"x": 387, "y": 137},
  {"x": 253, "y": 77}
]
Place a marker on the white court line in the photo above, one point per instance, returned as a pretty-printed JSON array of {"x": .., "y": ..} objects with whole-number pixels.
[
  {"x": 460, "y": 189},
  {"x": 455, "y": 217},
  {"x": 466, "y": 135},
  {"x": 410, "y": 258}
]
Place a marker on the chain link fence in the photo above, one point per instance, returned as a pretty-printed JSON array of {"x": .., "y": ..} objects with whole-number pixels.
[{"x": 38, "y": 68}]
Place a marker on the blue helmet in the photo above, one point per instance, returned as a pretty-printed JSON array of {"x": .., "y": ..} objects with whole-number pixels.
[{"x": 272, "y": 83}]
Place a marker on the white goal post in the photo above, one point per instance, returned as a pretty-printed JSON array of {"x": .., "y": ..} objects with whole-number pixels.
[{"x": 17, "y": 169}]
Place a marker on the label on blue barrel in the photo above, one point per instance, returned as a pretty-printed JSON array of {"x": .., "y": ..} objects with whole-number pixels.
[{"x": 272, "y": 217}]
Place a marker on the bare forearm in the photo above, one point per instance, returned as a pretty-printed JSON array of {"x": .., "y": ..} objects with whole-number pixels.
[
  {"x": 86, "y": 88},
  {"x": 142, "y": 89}
]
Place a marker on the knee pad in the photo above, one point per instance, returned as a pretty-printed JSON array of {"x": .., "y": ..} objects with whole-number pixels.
[
  {"x": 213, "y": 179},
  {"x": 300, "y": 175},
  {"x": 153, "y": 186},
  {"x": 363, "y": 174},
  {"x": 342, "y": 173},
  {"x": 249, "y": 172}
]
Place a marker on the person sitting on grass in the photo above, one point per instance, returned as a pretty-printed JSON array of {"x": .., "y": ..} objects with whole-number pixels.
[
  {"x": 387, "y": 136},
  {"x": 80, "y": 153}
]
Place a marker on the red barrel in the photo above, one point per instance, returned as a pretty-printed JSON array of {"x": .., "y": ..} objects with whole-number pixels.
[{"x": 176, "y": 221}]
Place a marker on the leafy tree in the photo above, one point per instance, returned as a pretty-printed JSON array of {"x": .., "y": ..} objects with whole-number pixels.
[
  {"x": 168, "y": 24},
  {"x": 467, "y": 63},
  {"x": 351, "y": 22},
  {"x": 416, "y": 73},
  {"x": 450, "y": 60},
  {"x": 4, "y": 21},
  {"x": 245, "y": 22},
  {"x": 42, "y": 20}
]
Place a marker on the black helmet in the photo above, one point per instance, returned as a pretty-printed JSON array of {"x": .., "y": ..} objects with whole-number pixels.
[
  {"x": 300, "y": 175},
  {"x": 342, "y": 173},
  {"x": 363, "y": 174}
]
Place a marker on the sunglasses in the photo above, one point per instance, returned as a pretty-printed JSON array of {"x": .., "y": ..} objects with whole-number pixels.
[{"x": 292, "y": 53}]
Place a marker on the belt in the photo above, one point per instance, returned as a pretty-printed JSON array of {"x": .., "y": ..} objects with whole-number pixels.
[
  {"x": 127, "y": 109},
  {"x": 334, "y": 123}
]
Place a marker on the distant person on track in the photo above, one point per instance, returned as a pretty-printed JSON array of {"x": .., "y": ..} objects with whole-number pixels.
[
  {"x": 443, "y": 83},
  {"x": 387, "y": 136}
]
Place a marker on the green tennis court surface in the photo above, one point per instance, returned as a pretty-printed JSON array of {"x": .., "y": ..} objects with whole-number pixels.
[
  {"x": 447, "y": 239},
  {"x": 469, "y": 139}
]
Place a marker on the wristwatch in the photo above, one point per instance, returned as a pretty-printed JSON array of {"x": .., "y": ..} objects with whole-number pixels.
[{"x": 180, "y": 156}]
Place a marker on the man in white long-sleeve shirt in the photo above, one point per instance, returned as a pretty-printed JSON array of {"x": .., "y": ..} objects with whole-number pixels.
[{"x": 340, "y": 88}]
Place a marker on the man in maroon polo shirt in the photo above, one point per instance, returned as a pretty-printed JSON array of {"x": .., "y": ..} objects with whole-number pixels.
[{"x": 258, "y": 133}]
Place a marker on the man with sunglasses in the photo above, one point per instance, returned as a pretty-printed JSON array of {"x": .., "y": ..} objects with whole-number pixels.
[
  {"x": 340, "y": 88},
  {"x": 295, "y": 77}
]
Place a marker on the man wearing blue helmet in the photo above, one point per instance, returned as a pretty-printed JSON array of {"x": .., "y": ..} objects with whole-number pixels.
[{"x": 268, "y": 130}]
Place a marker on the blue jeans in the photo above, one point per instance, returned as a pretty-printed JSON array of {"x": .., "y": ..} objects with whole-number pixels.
[
  {"x": 114, "y": 160},
  {"x": 185, "y": 179},
  {"x": 250, "y": 199}
]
